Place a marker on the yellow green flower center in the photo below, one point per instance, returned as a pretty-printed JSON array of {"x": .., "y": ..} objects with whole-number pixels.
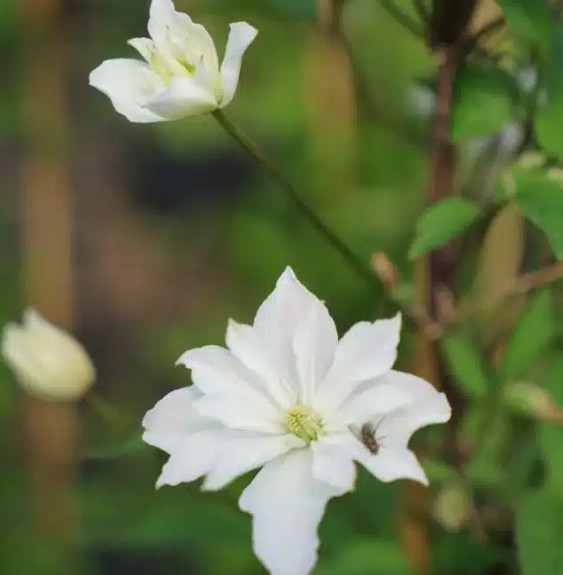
[
  {"x": 167, "y": 69},
  {"x": 305, "y": 424}
]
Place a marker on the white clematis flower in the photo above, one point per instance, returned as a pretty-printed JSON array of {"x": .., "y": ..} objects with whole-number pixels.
[
  {"x": 288, "y": 396},
  {"x": 180, "y": 76},
  {"x": 47, "y": 361}
]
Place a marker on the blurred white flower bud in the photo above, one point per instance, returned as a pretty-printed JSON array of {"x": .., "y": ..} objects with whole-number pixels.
[
  {"x": 452, "y": 507},
  {"x": 48, "y": 362}
]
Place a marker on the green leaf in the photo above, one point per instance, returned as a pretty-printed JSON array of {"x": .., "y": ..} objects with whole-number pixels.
[
  {"x": 551, "y": 434},
  {"x": 465, "y": 365},
  {"x": 441, "y": 222},
  {"x": 539, "y": 524},
  {"x": 549, "y": 117},
  {"x": 439, "y": 471},
  {"x": 532, "y": 335},
  {"x": 483, "y": 101},
  {"x": 462, "y": 554},
  {"x": 367, "y": 558},
  {"x": 541, "y": 200},
  {"x": 484, "y": 469},
  {"x": 529, "y": 20}
]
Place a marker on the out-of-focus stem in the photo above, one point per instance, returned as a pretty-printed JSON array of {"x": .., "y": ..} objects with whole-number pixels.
[
  {"x": 50, "y": 428},
  {"x": 448, "y": 24},
  {"x": 403, "y": 19},
  {"x": 415, "y": 538},
  {"x": 331, "y": 106}
]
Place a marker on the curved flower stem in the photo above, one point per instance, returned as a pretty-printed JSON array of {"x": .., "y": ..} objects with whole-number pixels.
[{"x": 328, "y": 234}]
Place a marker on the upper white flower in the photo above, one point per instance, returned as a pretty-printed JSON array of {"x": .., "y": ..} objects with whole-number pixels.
[
  {"x": 288, "y": 396},
  {"x": 181, "y": 76},
  {"x": 48, "y": 362}
]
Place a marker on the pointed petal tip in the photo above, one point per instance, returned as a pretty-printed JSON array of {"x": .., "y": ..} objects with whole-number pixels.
[
  {"x": 94, "y": 76},
  {"x": 398, "y": 319},
  {"x": 186, "y": 358},
  {"x": 287, "y": 275}
]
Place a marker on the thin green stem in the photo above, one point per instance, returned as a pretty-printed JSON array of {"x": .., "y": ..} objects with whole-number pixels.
[
  {"x": 329, "y": 235},
  {"x": 422, "y": 11},
  {"x": 401, "y": 18}
]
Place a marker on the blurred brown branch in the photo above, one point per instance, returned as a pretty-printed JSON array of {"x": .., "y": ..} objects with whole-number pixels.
[
  {"x": 50, "y": 427},
  {"x": 520, "y": 285},
  {"x": 434, "y": 330}
]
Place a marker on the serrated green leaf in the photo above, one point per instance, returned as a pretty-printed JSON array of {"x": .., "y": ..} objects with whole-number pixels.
[
  {"x": 483, "y": 102},
  {"x": 367, "y": 558},
  {"x": 539, "y": 524},
  {"x": 541, "y": 200},
  {"x": 549, "y": 117},
  {"x": 441, "y": 222},
  {"x": 465, "y": 364},
  {"x": 529, "y": 20},
  {"x": 532, "y": 335}
]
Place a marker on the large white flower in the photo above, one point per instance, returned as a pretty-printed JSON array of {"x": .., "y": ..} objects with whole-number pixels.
[
  {"x": 287, "y": 396},
  {"x": 180, "y": 76}
]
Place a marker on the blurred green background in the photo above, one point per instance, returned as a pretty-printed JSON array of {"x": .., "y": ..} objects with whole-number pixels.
[{"x": 147, "y": 238}]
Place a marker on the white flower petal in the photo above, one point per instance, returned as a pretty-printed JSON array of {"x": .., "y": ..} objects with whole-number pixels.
[
  {"x": 426, "y": 406},
  {"x": 129, "y": 84},
  {"x": 373, "y": 401},
  {"x": 165, "y": 21},
  {"x": 172, "y": 419},
  {"x": 290, "y": 318},
  {"x": 241, "y": 452},
  {"x": 287, "y": 504},
  {"x": 366, "y": 351},
  {"x": 284, "y": 307},
  {"x": 390, "y": 464},
  {"x": 250, "y": 412},
  {"x": 192, "y": 458},
  {"x": 145, "y": 47},
  {"x": 20, "y": 356},
  {"x": 241, "y": 35},
  {"x": 184, "y": 97},
  {"x": 252, "y": 350},
  {"x": 333, "y": 464},
  {"x": 174, "y": 33},
  {"x": 216, "y": 370},
  {"x": 314, "y": 344}
]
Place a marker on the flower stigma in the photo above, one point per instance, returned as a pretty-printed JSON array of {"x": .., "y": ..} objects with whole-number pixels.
[{"x": 303, "y": 423}]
